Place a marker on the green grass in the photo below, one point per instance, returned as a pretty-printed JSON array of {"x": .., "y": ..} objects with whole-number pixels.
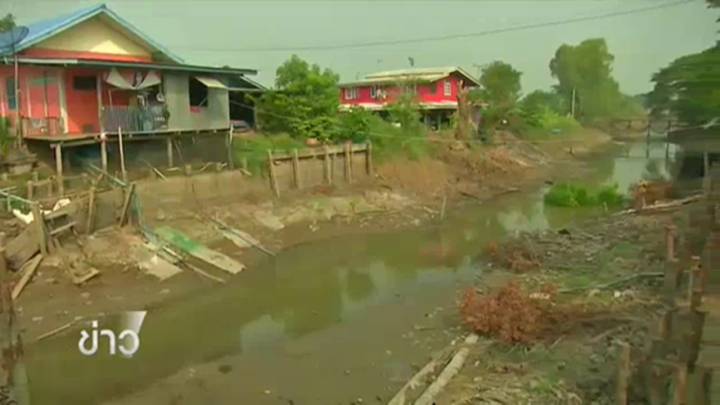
[{"x": 568, "y": 195}]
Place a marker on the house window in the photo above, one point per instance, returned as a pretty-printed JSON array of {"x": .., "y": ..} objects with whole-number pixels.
[
  {"x": 374, "y": 92},
  {"x": 410, "y": 89},
  {"x": 447, "y": 88},
  {"x": 198, "y": 93},
  {"x": 85, "y": 83},
  {"x": 351, "y": 93},
  {"x": 10, "y": 93}
]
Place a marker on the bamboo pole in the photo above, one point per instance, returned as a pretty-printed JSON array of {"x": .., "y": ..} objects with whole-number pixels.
[
  {"x": 680, "y": 393},
  {"x": 348, "y": 163}
]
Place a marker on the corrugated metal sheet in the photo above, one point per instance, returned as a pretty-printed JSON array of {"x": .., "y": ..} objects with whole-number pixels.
[{"x": 211, "y": 83}]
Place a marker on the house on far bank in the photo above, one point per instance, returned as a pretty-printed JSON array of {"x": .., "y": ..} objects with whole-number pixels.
[
  {"x": 436, "y": 90},
  {"x": 86, "y": 76}
]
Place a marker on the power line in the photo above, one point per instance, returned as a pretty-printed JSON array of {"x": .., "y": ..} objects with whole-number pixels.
[{"x": 521, "y": 27}]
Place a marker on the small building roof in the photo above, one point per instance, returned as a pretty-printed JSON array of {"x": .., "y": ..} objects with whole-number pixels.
[
  {"x": 412, "y": 74},
  {"x": 43, "y": 30}
]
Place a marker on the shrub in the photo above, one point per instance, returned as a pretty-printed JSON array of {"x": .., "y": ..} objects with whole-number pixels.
[
  {"x": 568, "y": 195},
  {"x": 254, "y": 150},
  {"x": 512, "y": 314}
]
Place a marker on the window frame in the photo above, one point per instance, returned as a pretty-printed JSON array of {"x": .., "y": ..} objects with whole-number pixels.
[
  {"x": 82, "y": 83},
  {"x": 447, "y": 88},
  {"x": 351, "y": 93},
  {"x": 204, "y": 102},
  {"x": 12, "y": 102}
]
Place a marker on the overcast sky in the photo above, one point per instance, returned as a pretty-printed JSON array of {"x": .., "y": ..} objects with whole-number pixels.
[{"x": 219, "y": 32}]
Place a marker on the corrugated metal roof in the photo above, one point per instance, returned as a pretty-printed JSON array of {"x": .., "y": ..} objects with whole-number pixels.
[
  {"x": 135, "y": 65},
  {"x": 412, "y": 74},
  {"x": 43, "y": 30}
]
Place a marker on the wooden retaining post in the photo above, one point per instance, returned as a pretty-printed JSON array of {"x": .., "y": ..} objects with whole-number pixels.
[
  {"x": 296, "y": 169},
  {"x": 670, "y": 231},
  {"x": 122, "y": 155},
  {"x": 368, "y": 160},
  {"x": 103, "y": 152},
  {"x": 13, "y": 377},
  {"x": 169, "y": 151},
  {"x": 38, "y": 223},
  {"x": 326, "y": 165},
  {"x": 30, "y": 189},
  {"x": 680, "y": 392},
  {"x": 271, "y": 172},
  {"x": 59, "y": 169},
  {"x": 348, "y": 162},
  {"x": 623, "y": 376},
  {"x": 124, "y": 213}
]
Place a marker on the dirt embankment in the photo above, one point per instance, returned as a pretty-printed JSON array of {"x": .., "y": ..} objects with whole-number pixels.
[
  {"x": 585, "y": 289},
  {"x": 405, "y": 193}
]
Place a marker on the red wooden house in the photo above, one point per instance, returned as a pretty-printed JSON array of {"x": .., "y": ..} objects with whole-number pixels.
[
  {"x": 436, "y": 90},
  {"x": 86, "y": 76}
]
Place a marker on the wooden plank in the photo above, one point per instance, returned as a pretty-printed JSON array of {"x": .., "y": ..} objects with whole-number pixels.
[
  {"x": 39, "y": 224},
  {"x": 22, "y": 248},
  {"x": 28, "y": 271},
  {"x": 199, "y": 251},
  {"x": 63, "y": 228}
]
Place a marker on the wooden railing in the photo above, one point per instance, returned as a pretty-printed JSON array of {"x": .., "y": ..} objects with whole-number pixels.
[{"x": 133, "y": 119}]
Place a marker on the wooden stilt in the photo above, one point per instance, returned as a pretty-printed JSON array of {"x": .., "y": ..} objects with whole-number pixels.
[
  {"x": 122, "y": 155},
  {"x": 103, "y": 152},
  {"x": 169, "y": 149},
  {"x": 231, "y": 161},
  {"x": 59, "y": 169}
]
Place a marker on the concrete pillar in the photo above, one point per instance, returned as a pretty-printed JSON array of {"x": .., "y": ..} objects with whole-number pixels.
[
  {"x": 169, "y": 149},
  {"x": 103, "y": 152},
  {"x": 59, "y": 168}
]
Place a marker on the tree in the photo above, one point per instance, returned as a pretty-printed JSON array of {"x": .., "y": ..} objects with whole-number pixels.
[
  {"x": 500, "y": 84},
  {"x": 586, "y": 71},
  {"x": 304, "y": 102},
  {"x": 536, "y": 105},
  {"x": 689, "y": 88},
  {"x": 7, "y": 23}
]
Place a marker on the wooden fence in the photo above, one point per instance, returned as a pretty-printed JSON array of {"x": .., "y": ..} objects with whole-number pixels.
[
  {"x": 317, "y": 166},
  {"x": 670, "y": 369}
]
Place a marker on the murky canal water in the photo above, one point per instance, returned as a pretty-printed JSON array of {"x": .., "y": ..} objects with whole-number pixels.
[{"x": 324, "y": 323}]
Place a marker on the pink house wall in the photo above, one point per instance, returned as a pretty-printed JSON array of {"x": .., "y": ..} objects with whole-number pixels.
[{"x": 424, "y": 92}]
